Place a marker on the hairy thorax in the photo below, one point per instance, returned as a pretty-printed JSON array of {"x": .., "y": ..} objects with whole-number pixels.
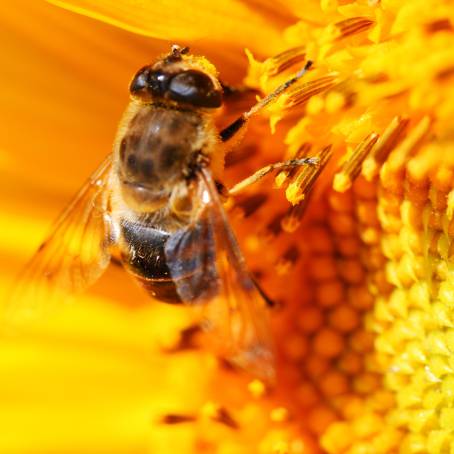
[{"x": 157, "y": 149}]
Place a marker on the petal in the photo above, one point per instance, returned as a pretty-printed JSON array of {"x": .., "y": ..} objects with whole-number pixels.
[
  {"x": 63, "y": 88},
  {"x": 228, "y": 21}
]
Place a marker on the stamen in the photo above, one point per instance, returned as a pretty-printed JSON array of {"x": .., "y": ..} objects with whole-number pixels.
[
  {"x": 174, "y": 418},
  {"x": 390, "y": 173},
  {"x": 283, "y": 176},
  {"x": 301, "y": 185},
  {"x": 304, "y": 92},
  {"x": 299, "y": 191},
  {"x": 288, "y": 260},
  {"x": 286, "y": 85},
  {"x": 351, "y": 168},
  {"x": 273, "y": 228},
  {"x": 439, "y": 25},
  {"x": 219, "y": 414},
  {"x": 353, "y": 26},
  {"x": 250, "y": 204},
  {"x": 187, "y": 340},
  {"x": 292, "y": 219},
  {"x": 386, "y": 142},
  {"x": 313, "y": 161},
  {"x": 445, "y": 74},
  {"x": 284, "y": 60}
]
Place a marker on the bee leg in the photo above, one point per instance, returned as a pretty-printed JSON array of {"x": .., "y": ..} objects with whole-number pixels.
[
  {"x": 269, "y": 302},
  {"x": 269, "y": 168},
  {"x": 238, "y": 125},
  {"x": 233, "y": 128},
  {"x": 115, "y": 258},
  {"x": 236, "y": 90},
  {"x": 222, "y": 190},
  {"x": 116, "y": 262}
]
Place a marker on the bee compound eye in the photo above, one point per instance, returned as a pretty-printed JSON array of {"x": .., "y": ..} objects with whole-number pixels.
[
  {"x": 196, "y": 88},
  {"x": 148, "y": 82},
  {"x": 140, "y": 81}
]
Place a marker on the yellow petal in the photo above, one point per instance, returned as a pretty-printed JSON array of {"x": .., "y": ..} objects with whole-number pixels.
[{"x": 228, "y": 21}]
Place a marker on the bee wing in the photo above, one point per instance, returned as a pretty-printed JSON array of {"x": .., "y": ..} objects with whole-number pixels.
[
  {"x": 72, "y": 257},
  {"x": 210, "y": 273}
]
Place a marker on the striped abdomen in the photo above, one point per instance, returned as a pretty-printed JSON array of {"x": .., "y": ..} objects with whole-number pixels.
[{"x": 173, "y": 267}]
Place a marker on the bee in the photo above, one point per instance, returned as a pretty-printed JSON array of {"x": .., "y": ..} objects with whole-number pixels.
[{"x": 155, "y": 203}]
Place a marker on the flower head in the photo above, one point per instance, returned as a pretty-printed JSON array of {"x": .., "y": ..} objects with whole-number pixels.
[{"x": 357, "y": 251}]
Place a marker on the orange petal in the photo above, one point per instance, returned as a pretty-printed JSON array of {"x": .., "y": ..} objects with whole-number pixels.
[
  {"x": 229, "y": 21},
  {"x": 64, "y": 86}
]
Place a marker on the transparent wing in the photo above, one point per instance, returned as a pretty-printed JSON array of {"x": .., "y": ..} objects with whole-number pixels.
[
  {"x": 72, "y": 257},
  {"x": 210, "y": 273}
]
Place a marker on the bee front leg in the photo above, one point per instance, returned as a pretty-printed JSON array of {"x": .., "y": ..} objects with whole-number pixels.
[
  {"x": 231, "y": 91},
  {"x": 291, "y": 163},
  {"x": 238, "y": 125}
]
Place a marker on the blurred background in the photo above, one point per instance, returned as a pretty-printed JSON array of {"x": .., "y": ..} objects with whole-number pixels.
[{"x": 82, "y": 380}]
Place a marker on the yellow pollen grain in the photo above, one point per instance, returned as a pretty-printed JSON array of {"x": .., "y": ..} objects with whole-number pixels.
[
  {"x": 367, "y": 425},
  {"x": 420, "y": 166},
  {"x": 447, "y": 418},
  {"x": 367, "y": 213},
  {"x": 210, "y": 409},
  {"x": 279, "y": 414},
  {"x": 298, "y": 189},
  {"x": 280, "y": 447},
  {"x": 315, "y": 105},
  {"x": 352, "y": 407},
  {"x": 450, "y": 205},
  {"x": 337, "y": 438},
  {"x": 351, "y": 168},
  {"x": 257, "y": 388},
  {"x": 438, "y": 441},
  {"x": 334, "y": 102}
]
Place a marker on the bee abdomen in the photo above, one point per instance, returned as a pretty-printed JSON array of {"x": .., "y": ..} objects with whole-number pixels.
[{"x": 169, "y": 266}]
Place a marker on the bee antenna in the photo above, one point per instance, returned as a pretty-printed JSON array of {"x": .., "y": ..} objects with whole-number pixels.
[{"x": 176, "y": 52}]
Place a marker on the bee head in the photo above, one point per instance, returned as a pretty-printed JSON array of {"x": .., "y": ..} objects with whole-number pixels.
[{"x": 179, "y": 78}]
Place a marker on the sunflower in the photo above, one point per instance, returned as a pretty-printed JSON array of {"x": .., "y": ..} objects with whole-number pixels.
[{"x": 357, "y": 252}]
